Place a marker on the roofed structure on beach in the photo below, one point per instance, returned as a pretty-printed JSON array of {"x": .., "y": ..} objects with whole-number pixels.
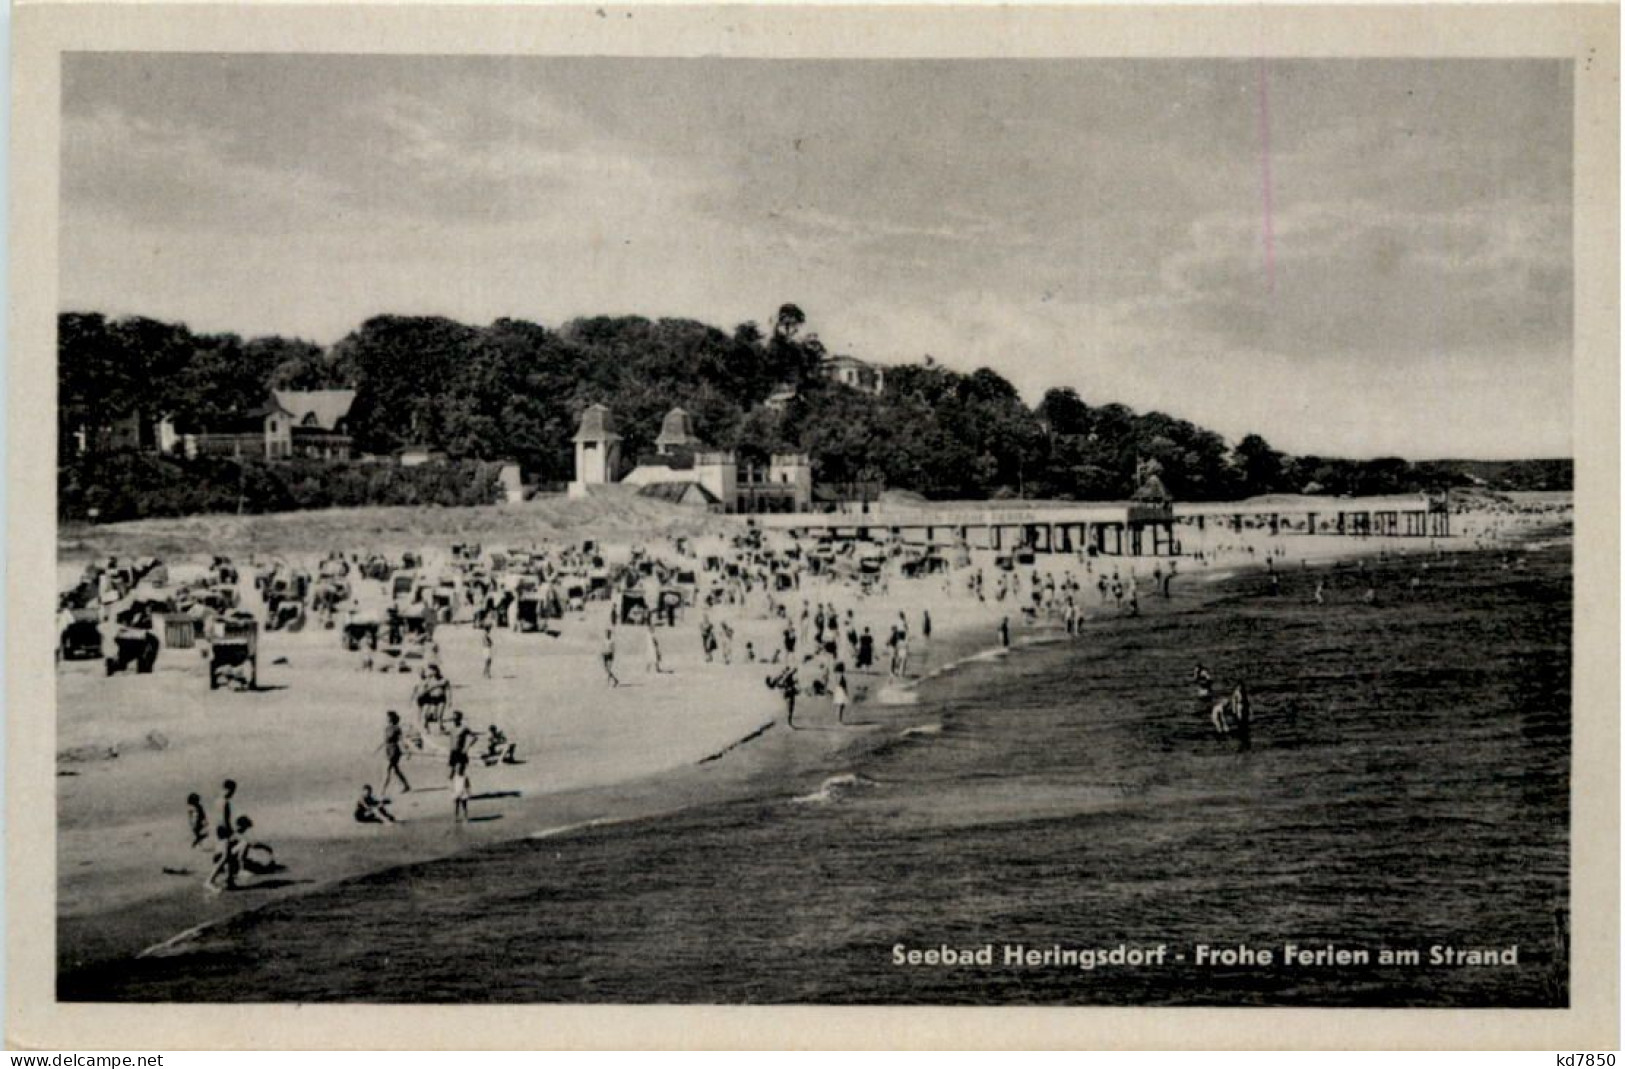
[
  {"x": 680, "y": 493},
  {"x": 1152, "y": 492},
  {"x": 597, "y": 425},
  {"x": 676, "y": 431}
]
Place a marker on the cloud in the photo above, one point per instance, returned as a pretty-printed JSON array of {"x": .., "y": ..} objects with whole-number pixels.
[
  {"x": 172, "y": 175},
  {"x": 1354, "y": 279},
  {"x": 1094, "y": 224}
]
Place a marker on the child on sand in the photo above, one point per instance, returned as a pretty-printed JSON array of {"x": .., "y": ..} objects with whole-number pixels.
[
  {"x": 228, "y": 791},
  {"x": 497, "y": 748},
  {"x": 254, "y": 857},
  {"x": 198, "y": 819},
  {"x": 459, "y": 796},
  {"x": 227, "y": 862},
  {"x": 842, "y": 699},
  {"x": 370, "y": 809}
]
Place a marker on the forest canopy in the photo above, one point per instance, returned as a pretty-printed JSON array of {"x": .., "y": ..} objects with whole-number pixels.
[{"x": 513, "y": 391}]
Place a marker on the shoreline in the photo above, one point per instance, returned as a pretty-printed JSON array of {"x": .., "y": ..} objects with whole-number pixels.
[
  {"x": 711, "y": 725},
  {"x": 734, "y": 773},
  {"x": 96, "y": 935}
]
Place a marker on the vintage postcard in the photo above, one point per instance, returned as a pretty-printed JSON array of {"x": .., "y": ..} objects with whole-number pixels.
[{"x": 1019, "y": 526}]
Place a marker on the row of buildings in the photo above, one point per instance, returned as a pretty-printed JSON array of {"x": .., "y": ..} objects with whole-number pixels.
[
  {"x": 290, "y": 423},
  {"x": 684, "y": 470},
  {"x": 314, "y": 424}
]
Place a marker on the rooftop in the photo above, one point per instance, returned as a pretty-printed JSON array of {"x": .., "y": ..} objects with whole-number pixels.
[
  {"x": 319, "y": 408},
  {"x": 597, "y": 425}
]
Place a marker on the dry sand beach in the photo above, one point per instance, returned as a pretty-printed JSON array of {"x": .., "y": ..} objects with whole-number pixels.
[{"x": 131, "y": 747}]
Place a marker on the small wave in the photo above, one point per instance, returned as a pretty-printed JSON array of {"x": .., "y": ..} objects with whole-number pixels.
[
  {"x": 896, "y": 694},
  {"x": 834, "y": 788},
  {"x": 921, "y": 729},
  {"x": 177, "y": 943},
  {"x": 980, "y": 657},
  {"x": 595, "y": 822},
  {"x": 758, "y": 733}
]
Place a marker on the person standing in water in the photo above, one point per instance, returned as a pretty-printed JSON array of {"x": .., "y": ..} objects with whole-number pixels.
[
  {"x": 1204, "y": 688},
  {"x": 1004, "y": 633}
]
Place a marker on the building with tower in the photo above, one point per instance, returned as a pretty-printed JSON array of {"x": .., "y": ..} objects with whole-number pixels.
[
  {"x": 598, "y": 451},
  {"x": 684, "y": 469}
]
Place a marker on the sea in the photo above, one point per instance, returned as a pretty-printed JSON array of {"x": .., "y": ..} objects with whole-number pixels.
[{"x": 1066, "y": 802}]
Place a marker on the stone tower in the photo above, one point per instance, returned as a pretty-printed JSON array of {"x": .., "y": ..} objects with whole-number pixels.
[
  {"x": 598, "y": 451},
  {"x": 718, "y": 472},
  {"x": 794, "y": 470}
]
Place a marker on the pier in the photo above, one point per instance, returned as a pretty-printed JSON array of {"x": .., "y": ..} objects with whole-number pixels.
[{"x": 1120, "y": 529}]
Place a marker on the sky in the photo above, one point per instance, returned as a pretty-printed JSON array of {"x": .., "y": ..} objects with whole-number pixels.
[{"x": 1349, "y": 257}]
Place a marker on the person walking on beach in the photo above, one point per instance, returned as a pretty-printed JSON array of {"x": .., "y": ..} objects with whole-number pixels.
[
  {"x": 925, "y": 624},
  {"x": 609, "y": 656},
  {"x": 462, "y": 737},
  {"x": 654, "y": 663},
  {"x": 841, "y": 695},
  {"x": 1004, "y": 633},
  {"x": 393, "y": 752},
  {"x": 489, "y": 644},
  {"x": 785, "y": 683}
]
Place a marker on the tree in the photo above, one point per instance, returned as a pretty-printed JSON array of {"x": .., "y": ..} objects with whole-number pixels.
[
  {"x": 1259, "y": 467},
  {"x": 1064, "y": 412}
]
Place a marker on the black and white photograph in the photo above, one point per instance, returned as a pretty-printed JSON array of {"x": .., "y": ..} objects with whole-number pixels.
[{"x": 840, "y": 531}]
